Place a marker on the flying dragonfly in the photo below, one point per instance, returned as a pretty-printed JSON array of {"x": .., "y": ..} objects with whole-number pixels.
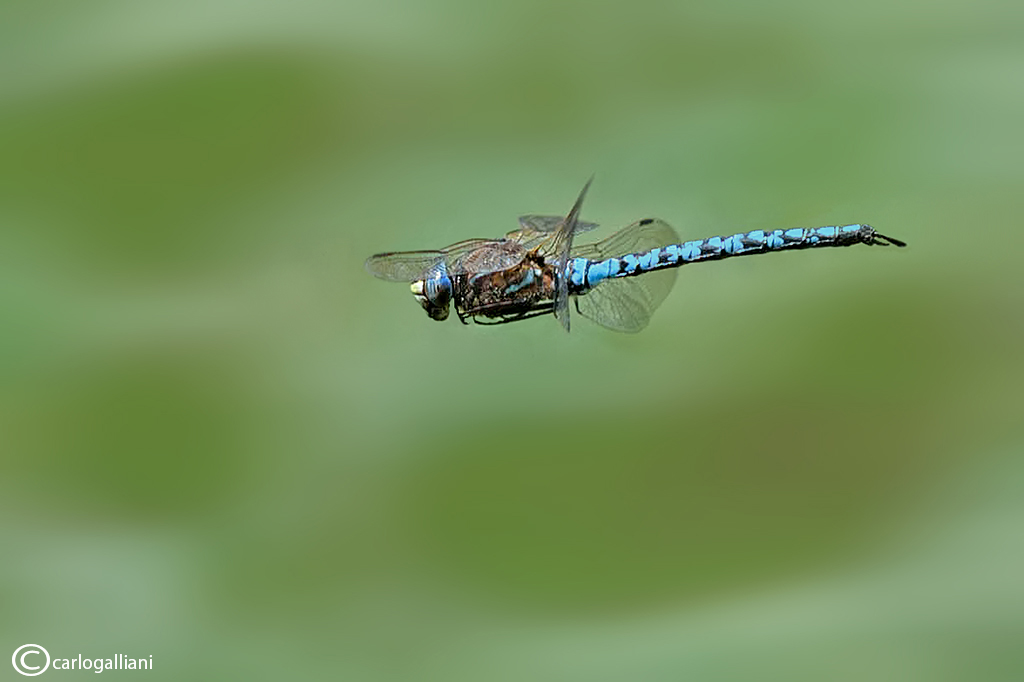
[{"x": 617, "y": 282}]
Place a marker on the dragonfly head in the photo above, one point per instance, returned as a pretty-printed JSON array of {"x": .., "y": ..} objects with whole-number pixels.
[{"x": 434, "y": 294}]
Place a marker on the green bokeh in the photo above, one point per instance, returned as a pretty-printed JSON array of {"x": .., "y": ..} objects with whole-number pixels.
[{"x": 224, "y": 444}]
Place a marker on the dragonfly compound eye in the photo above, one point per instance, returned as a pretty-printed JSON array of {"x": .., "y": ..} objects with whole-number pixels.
[{"x": 434, "y": 294}]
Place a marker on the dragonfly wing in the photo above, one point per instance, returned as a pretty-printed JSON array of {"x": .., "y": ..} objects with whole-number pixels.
[
  {"x": 643, "y": 235},
  {"x": 403, "y": 266},
  {"x": 561, "y": 247},
  {"x": 549, "y": 223},
  {"x": 626, "y": 304},
  {"x": 409, "y": 266},
  {"x": 535, "y": 229}
]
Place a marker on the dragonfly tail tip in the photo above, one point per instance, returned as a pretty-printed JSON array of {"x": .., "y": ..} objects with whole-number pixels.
[{"x": 882, "y": 240}]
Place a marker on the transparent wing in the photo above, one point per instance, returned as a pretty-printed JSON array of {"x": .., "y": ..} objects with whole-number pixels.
[
  {"x": 642, "y": 235},
  {"x": 535, "y": 229},
  {"x": 626, "y": 304},
  {"x": 409, "y": 266},
  {"x": 560, "y": 248},
  {"x": 403, "y": 266}
]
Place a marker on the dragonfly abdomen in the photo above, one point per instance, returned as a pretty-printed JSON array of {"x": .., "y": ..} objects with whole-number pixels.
[{"x": 585, "y": 274}]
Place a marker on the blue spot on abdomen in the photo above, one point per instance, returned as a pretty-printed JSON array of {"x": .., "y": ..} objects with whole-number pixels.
[
  {"x": 578, "y": 271},
  {"x": 691, "y": 250},
  {"x": 601, "y": 271}
]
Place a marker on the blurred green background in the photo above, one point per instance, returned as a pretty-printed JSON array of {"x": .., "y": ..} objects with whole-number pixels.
[{"x": 225, "y": 445}]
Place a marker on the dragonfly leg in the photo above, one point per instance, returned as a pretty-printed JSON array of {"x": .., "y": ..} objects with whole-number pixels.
[
  {"x": 525, "y": 314},
  {"x": 490, "y": 322}
]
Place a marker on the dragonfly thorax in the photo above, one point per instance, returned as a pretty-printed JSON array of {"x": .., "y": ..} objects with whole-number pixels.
[{"x": 434, "y": 294}]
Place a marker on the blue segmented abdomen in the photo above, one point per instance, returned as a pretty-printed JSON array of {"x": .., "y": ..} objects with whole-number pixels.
[{"x": 585, "y": 274}]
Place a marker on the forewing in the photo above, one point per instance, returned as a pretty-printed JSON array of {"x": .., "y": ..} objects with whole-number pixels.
[
  {"x": 536, "y": 229},
  {"x": 403, "y": 266},
  {"x": 561, "y": 247},
  {"x": 409, "y": 266}
]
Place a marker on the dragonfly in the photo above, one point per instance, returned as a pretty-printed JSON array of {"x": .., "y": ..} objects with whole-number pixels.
[{"x": 617, "y": 282}]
